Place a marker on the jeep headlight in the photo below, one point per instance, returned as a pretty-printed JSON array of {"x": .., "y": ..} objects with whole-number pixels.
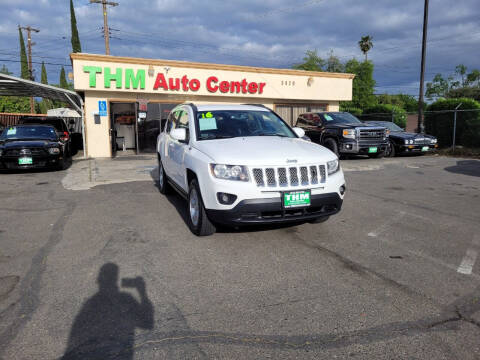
[
  {"x": 54, "y": 151},
  {"x": 332, "y": 166},
  {"x": 349, "y": 133},
  {"x": 229, "y": 172}
]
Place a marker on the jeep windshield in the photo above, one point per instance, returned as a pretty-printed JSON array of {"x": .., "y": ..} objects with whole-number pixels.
[
  {"x": 28, "y": 132},
  {"x": 339, "y": 118},
  {"x": 222, "y": 124}
]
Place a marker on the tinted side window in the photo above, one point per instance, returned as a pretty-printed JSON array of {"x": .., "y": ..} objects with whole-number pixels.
[
  {"x": 170, "y": 122},
  {"x": 301, "y": 121},
  {"x": 316, "y": 120}
]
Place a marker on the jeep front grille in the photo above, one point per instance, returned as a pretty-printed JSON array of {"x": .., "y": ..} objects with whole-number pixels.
[{"x": 289, "y": 176}]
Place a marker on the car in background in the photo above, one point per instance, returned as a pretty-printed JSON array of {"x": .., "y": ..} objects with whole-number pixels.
[
  {"x": 58, "y": 123},
  {"x": 402, "y": 142},
  {"x": 32, "y": 147},
  {"x": 343, "y": 133}
]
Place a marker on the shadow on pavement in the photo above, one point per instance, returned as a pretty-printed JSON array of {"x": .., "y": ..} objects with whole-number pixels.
[
  {"x": 105, "y": 326},
  {"x": 465, "y": 167}
]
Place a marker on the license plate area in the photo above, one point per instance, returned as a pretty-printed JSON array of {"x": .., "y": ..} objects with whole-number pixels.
[
  {"x": 295, "y": 199},
  {"x": 372, "y": 149},
  {"x": 425, "y": 148},
  {"x": 25, "y": 161}
]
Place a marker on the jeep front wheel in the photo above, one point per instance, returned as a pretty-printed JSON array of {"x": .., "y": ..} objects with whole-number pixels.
[{"x": 199, "y": 223}]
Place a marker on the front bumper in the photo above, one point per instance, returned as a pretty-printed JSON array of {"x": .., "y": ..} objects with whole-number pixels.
[
  {"x": 418, "y": 148},
  {"x": 350, "y": 146},
  {"x": 38, "y": 162},
  {"x": 271, "y": 211}
]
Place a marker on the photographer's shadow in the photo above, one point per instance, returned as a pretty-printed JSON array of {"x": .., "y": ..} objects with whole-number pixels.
[{"x": 105, "y": 326}]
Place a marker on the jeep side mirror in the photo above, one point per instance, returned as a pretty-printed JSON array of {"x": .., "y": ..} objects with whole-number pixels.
[
  {"x": 179, "y": 134},
  {"x": 299, "y": 131}
]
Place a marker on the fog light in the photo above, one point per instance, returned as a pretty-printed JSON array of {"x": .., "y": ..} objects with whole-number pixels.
[
  {"x": 226, "y": 199},
  {"x": 342, "y": 189},
  {"x": 348, "y": 146}
]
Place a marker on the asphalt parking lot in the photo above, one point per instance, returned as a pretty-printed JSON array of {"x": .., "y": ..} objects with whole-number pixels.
[{"x": 95, "y": 263}]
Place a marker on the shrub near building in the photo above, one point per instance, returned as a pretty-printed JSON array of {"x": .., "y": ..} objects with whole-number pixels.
[
  {"x": 439, "y": 122},
  {"x": 386, "y": 112}
]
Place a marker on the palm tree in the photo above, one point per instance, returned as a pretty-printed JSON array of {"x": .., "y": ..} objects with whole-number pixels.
[{"x": 365, "y": 45}]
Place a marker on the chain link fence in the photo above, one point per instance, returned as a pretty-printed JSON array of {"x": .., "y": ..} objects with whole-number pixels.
[{"x": 451, "y": 127}]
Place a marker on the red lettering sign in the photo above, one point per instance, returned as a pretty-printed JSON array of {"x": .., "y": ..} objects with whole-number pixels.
[{"x": 213, "y": 85}]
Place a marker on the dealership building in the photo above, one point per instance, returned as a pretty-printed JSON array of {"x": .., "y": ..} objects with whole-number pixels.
[{"x": 126, "y": 99}]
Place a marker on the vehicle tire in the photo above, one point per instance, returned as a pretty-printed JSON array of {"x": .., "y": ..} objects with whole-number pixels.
[
  {"x": 378, "y": 155},
  {"x": 332, "y": 145},
  {"x": 319, "y": 220},
  {"x": 64, "y": 163},
  {"x": 198, "y": 222},
  {"x": 390, "y": 151},
  {"x": 163, "y": 185}
]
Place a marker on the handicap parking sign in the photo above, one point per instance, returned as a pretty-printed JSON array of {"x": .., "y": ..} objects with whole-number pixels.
[{"x": 102, "y": 108}]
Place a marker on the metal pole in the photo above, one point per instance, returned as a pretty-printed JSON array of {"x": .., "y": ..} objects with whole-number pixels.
[
  {"x": 420, "y": 127},
  {"x": 30, "y": 67},
  {"x": 455, "y": 126},
  {"x": 105, "y": 29}
]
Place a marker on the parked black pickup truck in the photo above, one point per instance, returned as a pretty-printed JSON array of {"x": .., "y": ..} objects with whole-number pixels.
[{"x": 344, "y": 134}]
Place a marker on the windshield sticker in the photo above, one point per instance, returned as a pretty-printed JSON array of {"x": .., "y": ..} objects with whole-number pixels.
[
  {"x": 207, "y": 123},
  {"x": 328, "y": 117},
  {"x": 11, "y": 131}
]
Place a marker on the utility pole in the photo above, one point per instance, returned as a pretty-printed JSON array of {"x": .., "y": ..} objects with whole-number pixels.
[
  {"x": 106, "y": 33},
  {"x": 421, "y": 127},
  {"x": 29, "y": 54}
]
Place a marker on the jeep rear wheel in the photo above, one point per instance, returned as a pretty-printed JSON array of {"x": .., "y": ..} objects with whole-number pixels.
[
  {"x": 199, "y": 223},
  {"x": 163, "y": 185}
]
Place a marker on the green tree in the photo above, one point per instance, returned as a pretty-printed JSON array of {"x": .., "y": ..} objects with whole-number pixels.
[
  {"x": 474, "y": 78},
  {"x": 44, "y": 74},
  {"x": 407, "y": 102},
  {"x": 4, "y": 70},
  {"x": 63, "y": 79},
  {"x": 311, "y": 62},
  {"x": 365, "y": 45},
  {"x": 461, "y": 70},
  {"x": 25, "y": 73},
  {"x": 334, "y": 64},
  {"x": 363, "y": 85},
  {"x": 45, "y": 104},
  {"x": 439, "y": 122},
  {"x": 76, "y": 47},
  {"x": 386, "y": 112}
]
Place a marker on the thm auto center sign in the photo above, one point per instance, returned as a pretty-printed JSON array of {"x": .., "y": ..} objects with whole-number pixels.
[{"x": 135, "y": 79}]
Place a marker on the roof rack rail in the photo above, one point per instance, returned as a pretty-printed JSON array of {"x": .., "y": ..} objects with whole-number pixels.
[{"x": 259, "y": 105}]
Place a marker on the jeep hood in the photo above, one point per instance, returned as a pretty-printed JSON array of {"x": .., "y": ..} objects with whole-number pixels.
[{"x": 264, "y": 151}]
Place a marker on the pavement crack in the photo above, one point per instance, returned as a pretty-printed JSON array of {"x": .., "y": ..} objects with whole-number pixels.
[{"x": 30, "y": 285}]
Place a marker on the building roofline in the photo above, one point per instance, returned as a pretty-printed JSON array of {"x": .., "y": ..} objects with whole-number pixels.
[{"x": 211, "y": 66}]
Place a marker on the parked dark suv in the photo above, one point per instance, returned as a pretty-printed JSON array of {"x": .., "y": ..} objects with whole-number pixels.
[
  {"x": 60, "y": 127},
  {"x": 344, "y": 134}
]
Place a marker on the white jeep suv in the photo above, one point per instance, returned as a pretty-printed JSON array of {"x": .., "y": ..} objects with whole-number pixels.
[{"x": 242, "y": 164}]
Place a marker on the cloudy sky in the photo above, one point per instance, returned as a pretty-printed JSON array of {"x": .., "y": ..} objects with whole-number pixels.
[{"x": 268, "y": 33}]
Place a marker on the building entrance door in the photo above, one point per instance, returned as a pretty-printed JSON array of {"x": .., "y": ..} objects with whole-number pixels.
[
  {"x": 149, "y": 126},
  {"x": 123, "y": 127}
]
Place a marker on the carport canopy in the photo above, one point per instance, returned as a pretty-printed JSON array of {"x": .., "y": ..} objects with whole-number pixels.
[{"x": 14, "y": 86}]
